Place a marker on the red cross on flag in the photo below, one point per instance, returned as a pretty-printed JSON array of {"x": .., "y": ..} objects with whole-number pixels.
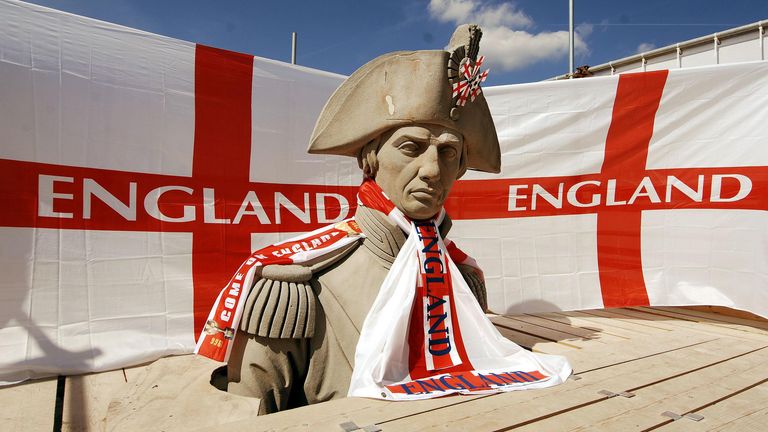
[{"x": 138, "y": 171}]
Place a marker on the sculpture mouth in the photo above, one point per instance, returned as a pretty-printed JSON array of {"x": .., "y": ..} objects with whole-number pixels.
[{"x": 425, "y": 193}]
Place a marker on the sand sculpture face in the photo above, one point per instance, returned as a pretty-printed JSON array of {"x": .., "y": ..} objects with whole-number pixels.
[{"x": 417, "y": 166}]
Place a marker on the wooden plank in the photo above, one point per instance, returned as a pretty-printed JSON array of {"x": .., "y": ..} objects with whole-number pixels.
[
  {"x": 28, "y": 406},
  {"x": 87, "y": 397},
  {"x": 533, "y": 343},
  {"x": 755, "y": 422},
  {"x": 587, "y": 360},
  {"x": 674, "y": 320},
  {"x": 726, "y": 414},
  {"x": 727, "y": 315},
  {"x": 579, "y": 332},
  {"x": 634, "y": 317},
  {"x": 174, "y": 393},
  {"x": 591, "y": 323},
  {"x": 394, "y": 416},
  {"x": 612, "y": 321},
  {"x": 680, "y": 395},
  {"x": 726, "y": 311},
  {"x": 743, "y": 324},
  {"x": 549, "y": 334},
  {"x": 522, "y": 339}
]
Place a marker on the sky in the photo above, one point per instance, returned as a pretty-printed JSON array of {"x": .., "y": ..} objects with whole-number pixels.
[{"x": 523, "y": 40}]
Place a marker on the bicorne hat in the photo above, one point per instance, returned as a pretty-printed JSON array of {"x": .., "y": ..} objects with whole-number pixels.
[{"x": 410, "y": 87}]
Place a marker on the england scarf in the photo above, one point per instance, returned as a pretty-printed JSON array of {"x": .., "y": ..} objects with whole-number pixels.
[{"x": 425, "y": 335}]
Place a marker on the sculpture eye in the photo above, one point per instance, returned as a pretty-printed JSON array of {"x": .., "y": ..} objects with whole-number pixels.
[
  {"x": 449, "y": 153},
  {"x": 409, "y": 148}
]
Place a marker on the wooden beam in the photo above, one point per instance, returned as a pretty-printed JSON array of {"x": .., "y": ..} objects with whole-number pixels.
[{"x": 28, "y": 406}]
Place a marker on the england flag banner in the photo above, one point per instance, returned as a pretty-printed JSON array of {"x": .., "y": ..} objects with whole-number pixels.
[
  {"x": 139, "y": 171},
  {"x": 639, "y": 189}
]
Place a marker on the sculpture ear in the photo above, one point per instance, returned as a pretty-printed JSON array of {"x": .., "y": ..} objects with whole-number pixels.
[{"x": 367, "y": 160}]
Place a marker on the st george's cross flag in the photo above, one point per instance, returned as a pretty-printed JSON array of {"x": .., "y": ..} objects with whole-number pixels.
[
  {"x": 138, "y": 171},
  {"x": 639, "y": 189}
]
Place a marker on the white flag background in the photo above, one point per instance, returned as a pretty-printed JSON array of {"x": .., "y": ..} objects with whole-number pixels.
[{"x": 137, "y": 171}]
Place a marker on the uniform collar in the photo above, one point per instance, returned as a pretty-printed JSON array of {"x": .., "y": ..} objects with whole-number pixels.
[{"x": 383, "y": 238}]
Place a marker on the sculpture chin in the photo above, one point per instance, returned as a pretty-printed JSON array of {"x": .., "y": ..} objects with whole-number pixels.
[{"x": 420, "y": 205}]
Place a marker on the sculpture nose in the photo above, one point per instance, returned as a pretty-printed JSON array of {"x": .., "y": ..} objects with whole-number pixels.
[{"x": 429, "y": 164}]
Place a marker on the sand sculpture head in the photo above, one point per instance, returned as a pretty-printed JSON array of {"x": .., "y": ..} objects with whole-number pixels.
[{"x": 416, "y": 121}]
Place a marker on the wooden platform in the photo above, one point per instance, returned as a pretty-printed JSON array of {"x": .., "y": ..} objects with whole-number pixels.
[{"x": 665, "y": 369}]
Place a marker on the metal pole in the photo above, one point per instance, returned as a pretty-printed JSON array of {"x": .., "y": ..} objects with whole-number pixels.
[
  {"x": 294, "y": 38},
  {"x": 570, "y": 38}
]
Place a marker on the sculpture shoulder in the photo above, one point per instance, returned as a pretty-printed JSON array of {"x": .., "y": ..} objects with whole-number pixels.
[
  {"x": 281, "y": 303},
  {"x": 476, "y": 284}
]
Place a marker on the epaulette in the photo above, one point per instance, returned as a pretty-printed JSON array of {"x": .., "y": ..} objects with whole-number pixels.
[{"x": 281, "y": 303}]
